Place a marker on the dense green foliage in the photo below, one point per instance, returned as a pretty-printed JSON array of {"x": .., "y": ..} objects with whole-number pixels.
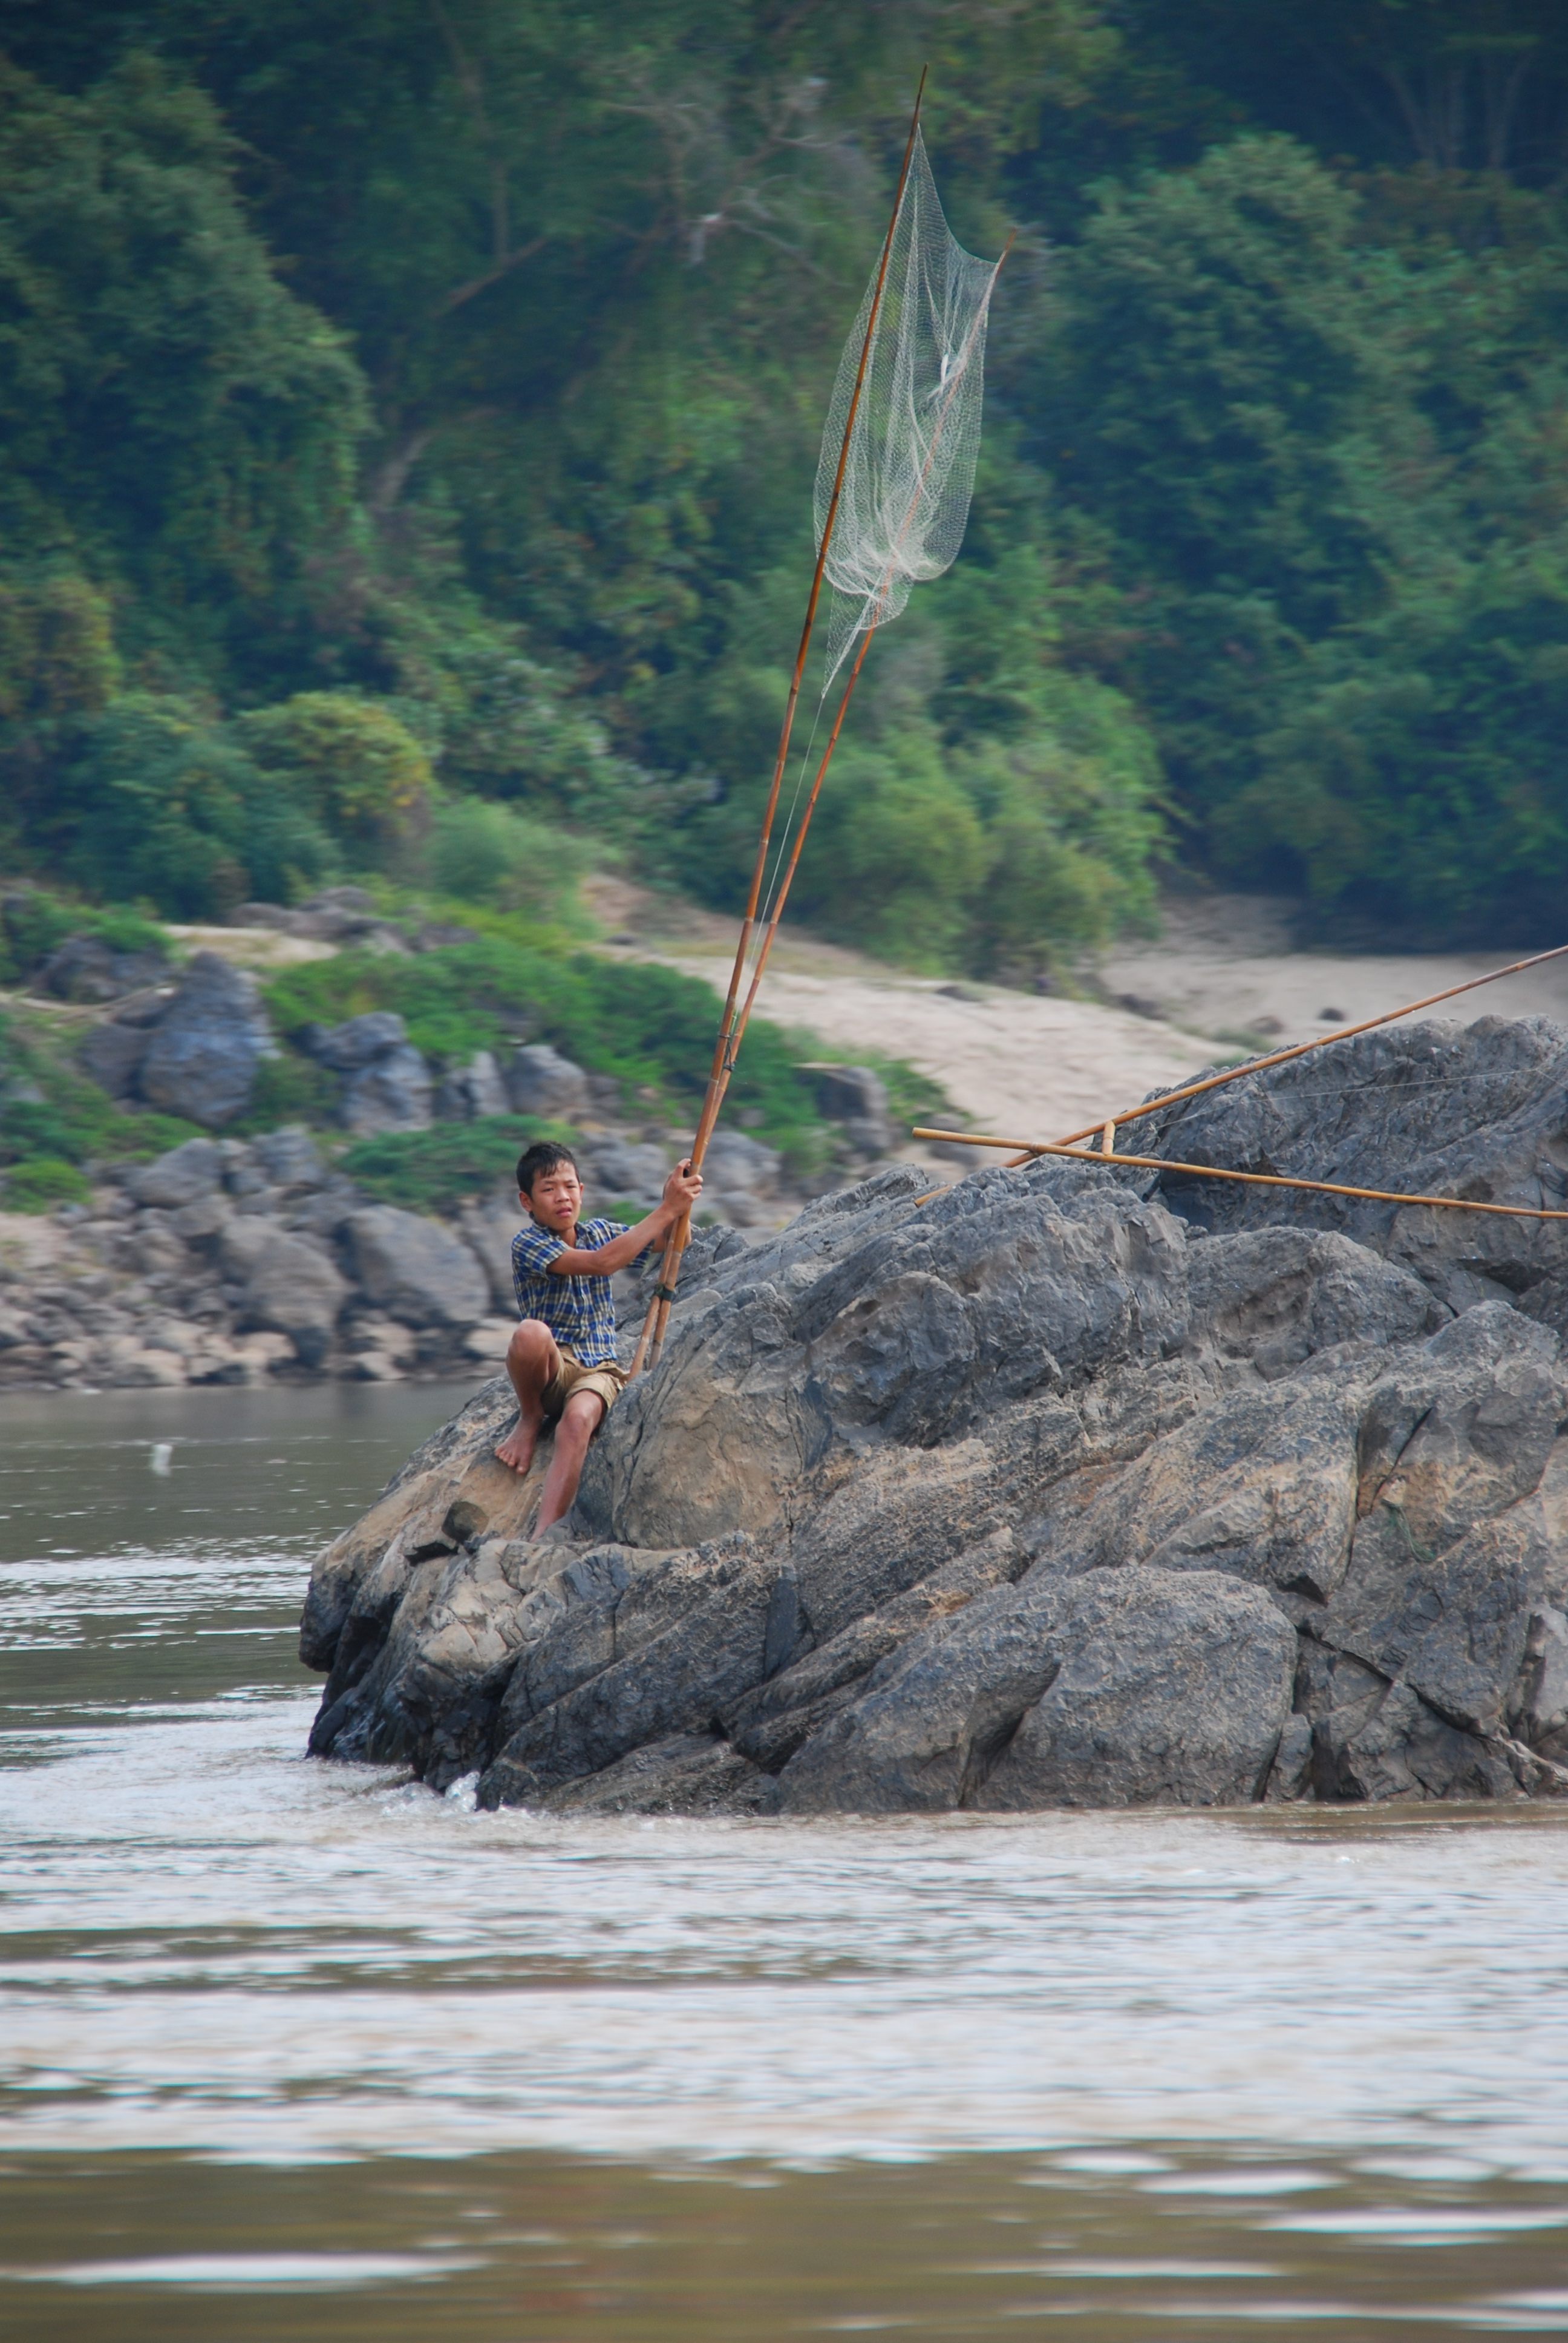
[{"x": 405, "y": 402}]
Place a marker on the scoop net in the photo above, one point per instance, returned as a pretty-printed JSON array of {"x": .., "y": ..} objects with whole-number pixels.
[{"x": 911, "y": 466}]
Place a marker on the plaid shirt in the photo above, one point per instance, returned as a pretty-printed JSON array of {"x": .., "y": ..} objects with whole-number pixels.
[{"x": 579, "y": 1311}]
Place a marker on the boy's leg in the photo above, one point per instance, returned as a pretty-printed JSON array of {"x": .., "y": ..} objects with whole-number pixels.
[
  {"x": 581, "y": 1419},
  {"x": 532, "y": 1359}
]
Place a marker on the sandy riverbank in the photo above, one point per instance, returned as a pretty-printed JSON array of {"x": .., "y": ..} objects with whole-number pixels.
[{"x": 1223, "y": 976}]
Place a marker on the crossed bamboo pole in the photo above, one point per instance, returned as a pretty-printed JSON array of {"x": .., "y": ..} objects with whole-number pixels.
[
  {"x": 1027, "y": 1150},
  {"x": 650, "y": 1341},
  {"x": 1252, "y": 1179},
  {"x": 1164, "y": 1099}
]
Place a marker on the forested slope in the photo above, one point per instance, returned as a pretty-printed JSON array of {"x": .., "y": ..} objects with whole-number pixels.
[{"x": 417, "y": 399}]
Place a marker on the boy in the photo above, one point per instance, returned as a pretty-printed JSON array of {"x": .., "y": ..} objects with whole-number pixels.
[{"x": 561, "y": 1360}]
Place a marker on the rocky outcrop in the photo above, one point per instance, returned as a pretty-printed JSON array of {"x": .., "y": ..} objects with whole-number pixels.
[
  {"x": 204, "y": 1051},
  {"x": 192, "y": 1049},
  {"x": 387, "y": 1084},
  {"x": 1062, "y": 1487},
  {"x": 225, "y": 1261}
]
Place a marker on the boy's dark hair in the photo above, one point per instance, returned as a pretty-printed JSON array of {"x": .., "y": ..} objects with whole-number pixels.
[{"x": 542, "y": 1156}]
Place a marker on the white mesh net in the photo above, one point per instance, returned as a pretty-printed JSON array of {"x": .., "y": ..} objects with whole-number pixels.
[{"x": 911, "y": 457}]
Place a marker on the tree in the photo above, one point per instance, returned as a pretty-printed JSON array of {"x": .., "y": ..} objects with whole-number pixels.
[{"x": 176, "y": 423}]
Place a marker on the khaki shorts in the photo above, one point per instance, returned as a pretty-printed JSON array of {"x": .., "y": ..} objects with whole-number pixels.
[{"x": 608, "y": 1381}]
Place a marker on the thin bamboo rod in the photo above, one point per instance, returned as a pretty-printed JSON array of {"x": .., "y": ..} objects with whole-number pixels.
[
  {"x": 759, "y": 868},
  {"x": 1300, "y": 1048},
  {"x": 664, "y": 1293},
  {"x": 1030, "y": 1149},
  {"x": 724, "y": 1048}
]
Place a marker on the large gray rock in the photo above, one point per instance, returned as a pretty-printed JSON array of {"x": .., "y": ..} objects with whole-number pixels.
[
  {"x": 618, "y": 1170},
  {"x": 386, "y": 1083},
  {"x": 858, "y": 1098},
  {"x": 112, "y": 1054},
  {"x": 539, "y": 1080},
  {"x": 181, "y": 1177},
  {"x": 84, "y": 968},
  {"x": 358, "y": 1042},
  {"x": 288, "y": 1283},
  {"x": 294, "y": 1289},
  {"x": 1035, "y": 1493},
  {"x": 289, "y": 1158},
  {"x": 393, "y": 1092},
  {"x": 204, "y": 1052},
  {"x": 416, "y": 1270},
  {"x": 1122, "y": 1688},
  {"x": 471, "y": 1091}
]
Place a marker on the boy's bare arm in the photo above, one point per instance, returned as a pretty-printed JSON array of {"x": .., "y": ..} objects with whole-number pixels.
[{"x": 681, "y": 1191}]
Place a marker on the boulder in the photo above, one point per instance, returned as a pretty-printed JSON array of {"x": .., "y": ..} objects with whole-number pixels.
[
  {"x": 1037, "y": 1491},
  {"x": 471, "y": 1091},
  {"x": 183, "y": 1176},
  {"x": 858, "y": 1098},
  {"x": 391, "y": 1093},
  {"x": 733, "y": 1161},
  {"x": 358, "y": 1042},
  {"x": 202, "y": 1059},
  {"x": 84, "y": 968},
  {"x": 288, "y": 1157},
  {"x": 416, "y": 1270},
  {"x": 112, "y": 1054},
  {"x": 387, "y": 1084},
  {"x": 618, "y": 1172},
  {"x": 1122, "y": 1688},
  {"x": 489, "y": 1230},
  {"x": 539, "y": 1080},
  {"x": 294, "y": 1289}
]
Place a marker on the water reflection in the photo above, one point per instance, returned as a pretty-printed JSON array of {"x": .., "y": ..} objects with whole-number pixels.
[{"x": 273, "y": 2030}]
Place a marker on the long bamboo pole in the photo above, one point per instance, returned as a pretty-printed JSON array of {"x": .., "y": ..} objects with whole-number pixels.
[
  {"x": 725, "y": 1046},
  {"x": 664, "y": 1293},
  {"x": 1030, "y": 1149},
  {"x": 1299, "y": 1049}
]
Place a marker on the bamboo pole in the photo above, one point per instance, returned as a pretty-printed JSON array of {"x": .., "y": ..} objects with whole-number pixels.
[
  {"x": 1030, "y": 1149},
  {"x": 724, "y": 1048},
  {"x": 664, "y": 1292},
  {"x": 1299, "y": 1049}
]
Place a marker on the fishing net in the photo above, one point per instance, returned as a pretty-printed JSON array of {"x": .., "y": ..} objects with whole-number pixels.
[{"x": 909, "y": 468}]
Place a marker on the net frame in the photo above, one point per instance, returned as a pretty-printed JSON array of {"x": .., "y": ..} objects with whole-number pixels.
[{"x": 906, "y": 453}]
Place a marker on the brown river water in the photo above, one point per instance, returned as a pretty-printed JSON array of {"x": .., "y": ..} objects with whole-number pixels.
[{"x": 294, "y": 2051}]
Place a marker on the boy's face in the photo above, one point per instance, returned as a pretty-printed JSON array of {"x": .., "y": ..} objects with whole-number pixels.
[{"x": 556, "y": 1195}]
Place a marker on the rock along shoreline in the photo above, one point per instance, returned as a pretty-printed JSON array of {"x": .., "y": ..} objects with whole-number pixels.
[{"x": 1059, "y": 1488}]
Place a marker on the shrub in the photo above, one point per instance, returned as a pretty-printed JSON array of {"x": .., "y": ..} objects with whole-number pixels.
[
  {"x": 52, "y": 1112},
  {"x": 40, "y": 1185},
  {"x": 488, "y": 853},
  {"x": 435, "y": 1171},
  {"x": 159, "y": 802},
  {"x": 289, "y": 1088},
  {"x": 349, "y": 763}
]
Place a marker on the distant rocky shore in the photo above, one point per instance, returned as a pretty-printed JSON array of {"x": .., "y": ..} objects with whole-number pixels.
[
  {"x": 233, "y": 1260},
  {"x": 1061, "y": 1487}
]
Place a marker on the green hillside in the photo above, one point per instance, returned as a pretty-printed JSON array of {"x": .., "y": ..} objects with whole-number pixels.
[{"x": 417, "y": 401}]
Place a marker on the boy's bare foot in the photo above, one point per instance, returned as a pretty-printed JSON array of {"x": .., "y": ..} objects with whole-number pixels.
[{"x": 517, "y": 1448}]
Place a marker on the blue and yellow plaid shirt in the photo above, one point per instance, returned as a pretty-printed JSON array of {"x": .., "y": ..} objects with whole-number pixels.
[{"x": 579, "y": 1311}]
